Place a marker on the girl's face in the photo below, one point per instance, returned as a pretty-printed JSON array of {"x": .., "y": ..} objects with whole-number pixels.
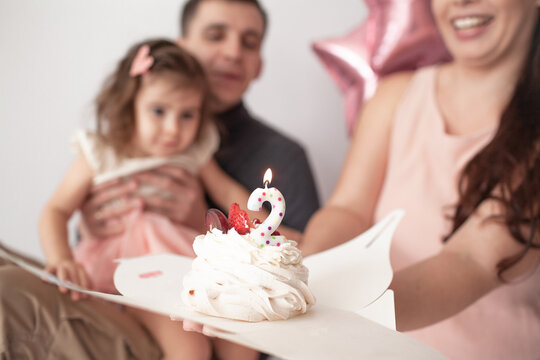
[
  {"x": 167, "y": 117},
  {"x": 484, "y": 31}
]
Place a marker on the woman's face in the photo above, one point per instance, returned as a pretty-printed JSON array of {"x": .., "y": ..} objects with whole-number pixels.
[{"x": 484, "y": 31}]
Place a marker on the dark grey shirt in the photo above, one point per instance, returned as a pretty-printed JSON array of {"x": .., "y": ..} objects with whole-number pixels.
[{"x": 249, "y": 147}]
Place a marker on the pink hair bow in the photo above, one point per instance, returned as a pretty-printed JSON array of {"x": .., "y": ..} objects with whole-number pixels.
[{"x": 142, "y": 61}]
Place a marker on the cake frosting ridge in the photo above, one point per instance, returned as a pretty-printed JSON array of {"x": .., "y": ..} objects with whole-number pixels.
[{"x": 234, "y": 277}]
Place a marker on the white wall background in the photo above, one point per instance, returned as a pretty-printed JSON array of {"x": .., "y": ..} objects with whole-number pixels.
[{"x": 54, "y": 55}]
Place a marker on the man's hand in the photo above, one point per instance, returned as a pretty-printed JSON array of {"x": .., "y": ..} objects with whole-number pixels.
[
  {"x": 104, "y": 221},
  {"x": 73, "y": 272},
  {"x": 186, "y": 205}
]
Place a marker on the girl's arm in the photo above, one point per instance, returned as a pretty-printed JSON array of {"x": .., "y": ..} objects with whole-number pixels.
[
  {"x": 57, "y": 212},
  {"x": 224, "y": 191},
  {"x": 350, "y": 209}
]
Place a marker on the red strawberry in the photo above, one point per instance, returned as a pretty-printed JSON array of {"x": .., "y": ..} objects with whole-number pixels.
[
  {"x": 238, "y": 219},
  {"x": 256, "y": 222},
  {"x": 276, "y": 233},
  {"x": 216, "y": 219}
]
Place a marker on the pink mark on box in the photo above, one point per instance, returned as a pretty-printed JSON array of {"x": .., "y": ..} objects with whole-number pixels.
[{"x": 151, "y": 274}]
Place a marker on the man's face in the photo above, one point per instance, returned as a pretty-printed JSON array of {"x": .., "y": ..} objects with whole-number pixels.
[{"x": 226, "y": 37}]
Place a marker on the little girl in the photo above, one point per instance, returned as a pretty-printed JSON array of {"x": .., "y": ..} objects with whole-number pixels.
[{"x": 151, "y": 112}]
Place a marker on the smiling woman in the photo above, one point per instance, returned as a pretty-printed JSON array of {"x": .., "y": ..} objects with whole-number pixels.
[
  {"x": 457, "y": 146},
  {"x": 486, "y": 31}
]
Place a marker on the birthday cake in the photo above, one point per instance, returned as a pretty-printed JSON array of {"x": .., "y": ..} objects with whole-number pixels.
[{"x": 247, "y": 271}]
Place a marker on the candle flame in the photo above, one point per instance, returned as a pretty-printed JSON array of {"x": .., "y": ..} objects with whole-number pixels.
[{"x": 267, "y": 177}]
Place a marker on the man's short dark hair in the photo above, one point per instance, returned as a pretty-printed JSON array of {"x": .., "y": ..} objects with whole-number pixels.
[{"x": 191, "y": 6}]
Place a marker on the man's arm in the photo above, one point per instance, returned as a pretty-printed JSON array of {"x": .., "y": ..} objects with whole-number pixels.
[
  {"x": 294, "y": 178},
  {"x": 104, "y": 221},
  {"x": 186, "y": 204}
]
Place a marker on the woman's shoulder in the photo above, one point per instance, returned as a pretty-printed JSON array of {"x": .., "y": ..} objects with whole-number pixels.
[
  {"x": 388, "y": 95},
  {"x": 392, "y": 86}
]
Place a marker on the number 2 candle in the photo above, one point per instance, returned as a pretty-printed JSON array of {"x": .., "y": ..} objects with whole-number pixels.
[{"x": 262, "y": 235}]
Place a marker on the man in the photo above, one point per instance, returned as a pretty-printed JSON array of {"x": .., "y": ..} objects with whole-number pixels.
[{"x": 226, "y": 36}]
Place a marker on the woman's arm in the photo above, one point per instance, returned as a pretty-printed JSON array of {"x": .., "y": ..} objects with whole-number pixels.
[
  {"x": 224, "y": 191},
  {"x": 464, "y": 271},
  {"x": 350, "y": 209},
  {"x": 68, "y": 197}
]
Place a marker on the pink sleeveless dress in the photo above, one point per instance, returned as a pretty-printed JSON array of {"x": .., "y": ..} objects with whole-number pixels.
[
  {"x": 145, "y": 233},
  {"x": 504, "y": 324}
]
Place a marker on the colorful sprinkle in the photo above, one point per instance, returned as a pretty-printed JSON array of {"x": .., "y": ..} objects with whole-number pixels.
[
  {"x": 264, "y": 194},
  {"x": 280, "y": 214},
  {"x": 278, "y": 244},
  {"x": 279, "y": 199},
  {"x": 269, "y": 228},
  {"x": 262, "y": 245},
  {"x": 260, "y": 199},
  {"x": 268, "y": 241},
  {"x": 262, "y": 234},
  {"x": 273, "y": 238}
]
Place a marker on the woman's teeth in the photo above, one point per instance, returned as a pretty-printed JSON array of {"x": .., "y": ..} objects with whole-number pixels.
[{"x": 470, "y": 22}]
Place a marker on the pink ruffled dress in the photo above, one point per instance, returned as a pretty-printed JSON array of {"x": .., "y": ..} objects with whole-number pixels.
[
  {"x": 427, "y": 161},
  {"x": 145, "y": 232}
]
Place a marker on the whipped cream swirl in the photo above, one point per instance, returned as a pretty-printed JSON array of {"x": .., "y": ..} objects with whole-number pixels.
[{"x": 232, "y": 277}]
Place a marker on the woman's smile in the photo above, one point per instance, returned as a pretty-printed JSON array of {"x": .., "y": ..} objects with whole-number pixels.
[{"x": 471, "y": 26}]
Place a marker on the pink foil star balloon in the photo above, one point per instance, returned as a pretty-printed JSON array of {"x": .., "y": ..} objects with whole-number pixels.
[{"x": 397, "y": 35}]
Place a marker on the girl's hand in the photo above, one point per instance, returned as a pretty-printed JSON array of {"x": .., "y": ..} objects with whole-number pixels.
[
  {"x": 186, "y": 205},
  {"x": 73, "y": 272}
]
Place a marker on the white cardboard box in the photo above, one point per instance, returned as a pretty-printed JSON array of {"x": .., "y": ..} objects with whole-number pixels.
[{"x": 353, "y": 317}]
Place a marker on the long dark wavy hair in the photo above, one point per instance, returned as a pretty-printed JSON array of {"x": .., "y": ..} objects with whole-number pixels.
[{"x": 508, "y": 168}]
